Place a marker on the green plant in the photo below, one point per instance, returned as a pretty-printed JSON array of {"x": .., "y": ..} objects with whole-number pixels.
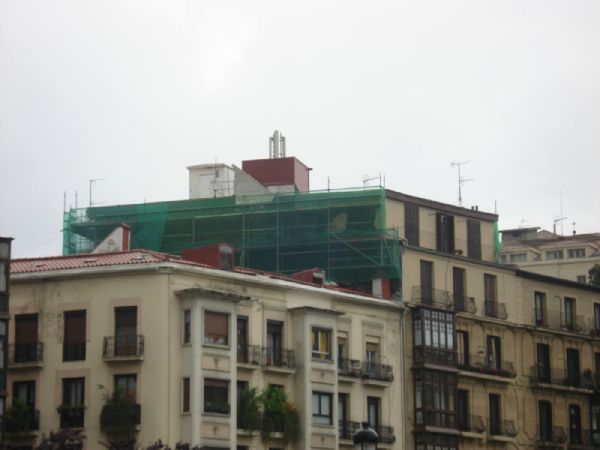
[
  {"x": 118, "y": 418},
  {"x": 279, "y": 415},
  {"x": 18, "y": 418},
  {"x": 249, "y": 416},
  {"x": 64, "y": 439},
  {"x": 594, "y": 275}
]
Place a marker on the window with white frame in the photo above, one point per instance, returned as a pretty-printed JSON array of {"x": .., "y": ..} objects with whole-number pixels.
[
  {"x": 216, "y": 328},
  {"x": 576, "y": 253},
  {"x": 321, "y": 344},
  {"x": 322, "y": 410},
  {"x": 187, "y": 326}
]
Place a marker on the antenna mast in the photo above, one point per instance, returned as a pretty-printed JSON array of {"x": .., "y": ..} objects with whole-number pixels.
[{"x": 461, "y": 180}]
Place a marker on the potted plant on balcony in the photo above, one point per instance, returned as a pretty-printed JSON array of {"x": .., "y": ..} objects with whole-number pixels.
[
  {"x": 279, "y": 415},
  {"x": 249, "y": 416},
  {"x": 18, "y": 419},
  {"x": 118, "y": 420}
]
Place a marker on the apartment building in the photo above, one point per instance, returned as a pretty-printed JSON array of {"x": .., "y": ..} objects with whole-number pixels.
[
  {"x": 183, "y": 341},
  {"x": 570, "y": 257}
]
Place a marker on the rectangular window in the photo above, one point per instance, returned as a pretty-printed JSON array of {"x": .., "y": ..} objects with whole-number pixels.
[
  {"x": 545, "y": 418},
  {"x": 187, "y": 326},
  {"x": 444, "y": 232},
  {"x": 462, "y": 343},
  {"x": 322, "y": 411},
  {"x": 373, "y": 411},
  {"x": 185, "y": 395},
  {"x": 474, "y": 239},
  {"x": 575, "y": 424},
  {"x": 543, "y": 363},
  {"x": 26, "y": 338},
  {"x": 518, "y": 257},
  {"x": 495, "y": 414},
  {"x": 569, "y": 316},
  {"x": 554, "y": 254},
  {"x": 581, "y": 279},
  {"x": 491, "y": 306},
  {"x": 494, "y": 353},
  {"x": 75, "y": 336},
  {"x": 216, "y": 396},
  {"x": 242, "y": 339},
  {"x": 216, "y": 328},
  {"x": 411, "y": 224},
  {"x": 462, "y": 409},
  {"x": 126, "y": 331},
  {"x": 24, "y": 392},
  {"x": 126, "y": 385},
  {"x": 321, "y": 344},
  {"x": 274, "y": 343},
  {"x": 458, "y": 289},
  {"x": 576, "y": 253},
  {"x": 573, "y": 378},
  {"x": 426, "y": 282},
  {"x": 540, "y": 308},
  {"x": 72, "y": 408},
  {"x": 597, "y": 317},
  {"x": 503, "y": 259}
]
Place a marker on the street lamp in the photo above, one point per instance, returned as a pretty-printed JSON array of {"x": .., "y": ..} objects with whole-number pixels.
[{"x": 366, "y": 438}]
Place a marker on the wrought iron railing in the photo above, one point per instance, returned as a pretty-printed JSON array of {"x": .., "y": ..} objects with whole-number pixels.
[
  {"x": 127, "y": 346},
  {"x": 435, "y": 356},
  {"x": 502, "y": 428},
  {"x": 473, "y": 424},
  {"x": 26, "y": 353},
  {"x": 486, "y": 364},
  {"x": 495, "y": 309},
  {"x": 349, "y": 368},
  {"x": 584, "y": 437},
  {"x": 462, "y": 303},
  {"x": 386, "y": 434},
  {"x": 559, "y": 377},
  {"x": 249, "y": 354},
  {"x": 347, "y": 429},
  {"x": 551, "y": 435},
  {"x": 442, "y": 419},
  {"x": 376, "y": 371},
  {"x": 279, "y": 358},
  {"x": 29, "y": 421},
  {"x": 557, "y": 320},
  {"x": 72, "y": 416},
  {"x": 443, "y": 299},
  {"x": 73, "y": 351}
]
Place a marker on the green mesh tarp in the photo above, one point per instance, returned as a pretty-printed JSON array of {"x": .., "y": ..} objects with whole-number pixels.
[{"x": 342, "y": 232}]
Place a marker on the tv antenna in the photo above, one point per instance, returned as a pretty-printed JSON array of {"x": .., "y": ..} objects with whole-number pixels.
[
  {"x": 367, "y": 179},
  {"x": 461, "y": 180}
]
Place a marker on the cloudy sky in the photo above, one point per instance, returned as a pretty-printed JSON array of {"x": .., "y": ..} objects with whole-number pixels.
[{"x": 133, "y": 91}]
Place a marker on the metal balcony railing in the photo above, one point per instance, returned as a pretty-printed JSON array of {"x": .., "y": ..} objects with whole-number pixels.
[
  {"x": 553, "y": 435},
  {"x": 463, "y": 303},
  {"x": 441, "y": 419},
  {"x": 26, "y": 353},
  {"x": 473, "y": 424},
  {"x": 386, "y": 434},
  {"x": 579, "y": 437},
  {"x": 486, "y": 364},
  {"x": 495, "y": 309},
  {"x": 435, "y": 356},
  {"x": 349, "y": 368},
  {"x": 432, "y": 297},
  {"x": 376, "y": 371},
  {"x": 249, "y": 354},
  {"x": 30, "y": 421},
  {"x": 347, "y": 429},
  {"x": 128, "y": 346},
  {"x": 72, "y": 416},
  {"x": 502, "y": 428},
  {"x": 279, "y": 358},
  {"x": 559, "y": 377},
  {"x": 556, "y": 320}
]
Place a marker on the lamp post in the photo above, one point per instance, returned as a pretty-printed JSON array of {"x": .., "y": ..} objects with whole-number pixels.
[{"x": 366, "y": 438}]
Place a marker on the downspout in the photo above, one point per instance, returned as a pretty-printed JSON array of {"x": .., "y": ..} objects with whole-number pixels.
[{"x": 405, "y": 383}]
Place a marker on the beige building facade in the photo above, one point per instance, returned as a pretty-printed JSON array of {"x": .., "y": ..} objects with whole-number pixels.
[{"x": 183, "y": 339}]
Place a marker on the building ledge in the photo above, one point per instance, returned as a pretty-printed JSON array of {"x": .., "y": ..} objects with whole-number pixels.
[
  {"x": 486, "y": 377},
  {"x": 501, "y": 438},
  {"x": 378, "y": 383},
  {"x": 248, "y": 366},
  {"x": 279, "y": 369},
  {"x": 472, "y": 435},
  {"x": 566, "y": 389},
  {"x": 343, "y": 379}
]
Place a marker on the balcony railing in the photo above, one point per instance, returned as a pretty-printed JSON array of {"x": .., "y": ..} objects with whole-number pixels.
[
  {"x": 73, "y": 351},
  {"x": 579, "y": 437},
  {"x": 555, "y": 435},
  {"x": 463, "y": 303},
  {"x": 487, "y": 365},
  {"x": 129, "y": 346},
  {"x": 435, "y": 356},
  {"x": 559, "y": 377},
  {"x": 28, "y": 420},
  {"x": 556, "y": 320},
  {"x": 349, "y": 368},
  {"x": 495, "y": 309},
  {"x": 386, "y": 434},
  {"x": 278, "y": 358},
  {"x": 249, "y": 354},
  {"x": 438, "y": 419},
  {"x": 443, "y": 299},
  {"x": 26, "y": 353},
  {"x": 71, "y": 416},
  {"x": 473, "y": 424},
  {"x": 348, "y": 429},
  {"x": 502, "y": 428},
  {"x": 376, "y": 371}
]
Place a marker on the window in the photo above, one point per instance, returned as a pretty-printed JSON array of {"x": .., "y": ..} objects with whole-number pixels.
[
  {"x": 185, "y": 395},
  {"x": 322, "y": 410},
  {"x": 474, "y": 239},
  {"x": 3, "y": 276},
  {"x": 372, "y": 353},
  {"x": 126, "y": 331},
  {"x": 576, "y": 253},
  {"x": 321, "y": 344},
  {"x": 543, "y": 363},
  {"x": 444, "y": 232},
  {"x": 581, "y": 279},
  {"x": 494, "y": 353},
  {"x": 26, "y": 338},
  {"x": 458, "y": 289},
  {"x": 518, "y": 257},
  {"x": 187, "y": 326},
  {"x": 495, "y": 414},
  {"x": 216, "y": 396},
  {"x": 216, "y": 328},
  {"x": 490, "y": 296},
  {"x": 242, "y": 339},
  {"x": 426, "y": 282},
  {"x": 373, "y": 411},
  {"x": 74, "y": 340},
  {"x": 597, "y": 317},
  {"x": 72, "y": 409},
  {"x": 275, "y": 343},
  {"x": 127, "y": 386},
  {"x": 462, "y": 409},
  {"x": 24, "y": 392},
  {"x": 462, "y": 344},
  {"x": 411, "y": 224},
  {"x": 554, "y": 254},
  {"x": 545, "y": 418},
  {"x": 540, "y": 308},
  {"x": 569, "y": 319},
  {"x": 434, "y": 399},
  {"x": 503, "y": 259},
  {"x": 344, "y": 416},
  {"x": 575, "y": 424},
  {"x": 573, "y": 378}
]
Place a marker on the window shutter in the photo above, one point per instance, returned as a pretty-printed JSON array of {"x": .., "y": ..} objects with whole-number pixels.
[{"x": 74, "y": 327}]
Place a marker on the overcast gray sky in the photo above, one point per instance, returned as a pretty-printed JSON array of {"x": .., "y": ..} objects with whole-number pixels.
[{"x": 133, "y": 91}]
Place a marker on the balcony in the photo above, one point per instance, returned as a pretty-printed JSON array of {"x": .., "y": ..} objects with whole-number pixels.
[
  {"x": 386, "y": 434},
  {"x": 249, "y": 356},
  {"x": 464, "y": 304},
  {"x": 123, "y": 348},
  {"x": 434, "y": 357},
  {"x": 482, "y": 364},
  {"x": 471, "y": 424},
  {"x": 71, "y": 416},
  {"x": 495, "y": 309},
  {"x": 437, "y": 420},
  {"x": 347, "y": 429},
  {"x": 556, "y": 320},
  {"x": 74, "y": 351},
  {"x": 377, "y": 372},
  {"x": 443, "y": 299},
  {"x": 278, "y": 359},
  {"x": 21, "y": 421},
  {"x": 349, "y": 368},
  {"x": 584, "y": 439},
  {"x": 554, "y": 437},
  {"x": 502, "y": 428},
  {"x": 562, "y": 379},
  {"x": 25, "y": 355}
]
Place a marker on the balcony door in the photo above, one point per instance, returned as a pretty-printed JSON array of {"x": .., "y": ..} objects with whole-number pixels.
[
  {"x": 573, "y": 367},
  {"x": 543, "y": 363},
  {"x": 574, "y": 424},
  {"x": 275, "y": 342},
  {"x": 426, "y": 282},
  {"x": 125, "y": 331},
  {"x": 462, "y": 344},
  {"x": 26, "y": 337},
  {"x": 242, "y": 339},
  {"x": 458, "y": 289},
  {"x": 373, "y": 404},
  {"x": 462, "y": 409},
  {"x": 494, "y": 353},
  {"x": 569, "y": 314},
  {"x": 495, "y": 414},
  {"x": 540, "y": 308},
  {"x": 343, "y": 416},
  {"x": 24, "y": 392},
  {"x": 545, "y": 416}
]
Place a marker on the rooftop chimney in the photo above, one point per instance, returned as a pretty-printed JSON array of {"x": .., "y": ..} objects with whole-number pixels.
[{"x": 277, "y": 145}]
